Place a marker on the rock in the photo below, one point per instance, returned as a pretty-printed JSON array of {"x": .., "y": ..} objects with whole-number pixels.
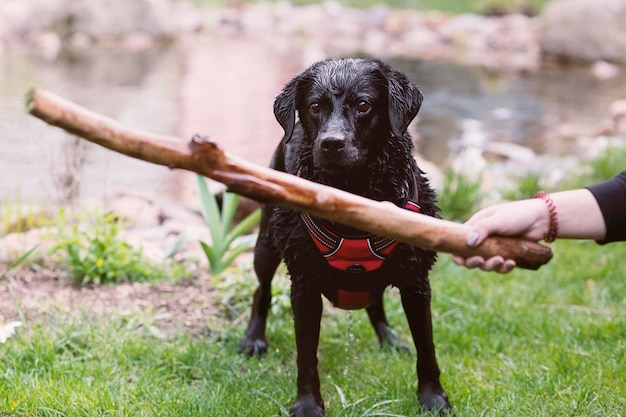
[
  {"x": 139, "y": 211},
  {"x": 617, "y": 110},
  {"x": 510, "y": 151},
  {"x": 603, "y": 70},
  {"x": 101, "y": 20},
  {"x": 151, "y": 250},
  {"x": 48, "y": 44},
  {"x": 587, "y": 30},
  {"x": 421, "y": 38},
  {"x": 186, "y": 16},
  {"x": 173, "y": 211},
  {"x": 49, "y": 26},
  {"x": 15, "y": 245},
  {"x": 615, "y": 123},
  {"x": 120, "y": 18}
]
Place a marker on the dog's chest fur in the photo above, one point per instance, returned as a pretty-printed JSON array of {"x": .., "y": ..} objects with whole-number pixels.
[{"x": 387, "y": 177}]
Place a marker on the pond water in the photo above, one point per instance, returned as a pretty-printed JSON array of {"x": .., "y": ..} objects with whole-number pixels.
[
  {"x": 176, "y": 91},
  {"x": 511, "y": 107}
]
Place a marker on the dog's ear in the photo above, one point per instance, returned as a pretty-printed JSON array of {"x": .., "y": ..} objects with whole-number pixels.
[
  {"x": 285, "y": 107},
  {"x": 405, "y": 100},
  {"x": 290, "y": 98}
]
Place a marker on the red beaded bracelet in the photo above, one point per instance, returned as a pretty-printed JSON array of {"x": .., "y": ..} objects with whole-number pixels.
[{"x": 554, "y": 221}]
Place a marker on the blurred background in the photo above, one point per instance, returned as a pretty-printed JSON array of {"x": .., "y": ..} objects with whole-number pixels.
[{"x": 511, "y": 87}]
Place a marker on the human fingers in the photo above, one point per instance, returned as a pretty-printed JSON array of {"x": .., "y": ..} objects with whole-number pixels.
[
  {"x": 471, "y": 262},
  {"x": 498, "y": 264},
  {"x": 508, "y": 266},
  {"x": 495, "y": 264},
  {"x": 459, "y": 260}
]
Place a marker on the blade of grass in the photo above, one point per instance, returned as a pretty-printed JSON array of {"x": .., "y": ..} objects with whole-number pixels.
[
  {"x": 18, "y": 261},
  {"x": 282, "y": 408},
  {"x": 180, "y": 241}
]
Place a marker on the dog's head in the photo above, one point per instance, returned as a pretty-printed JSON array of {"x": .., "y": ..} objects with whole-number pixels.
[{"x": 346, "y": 107}]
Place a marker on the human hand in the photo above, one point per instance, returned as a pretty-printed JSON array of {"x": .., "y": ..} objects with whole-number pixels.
[{"x": 527, "y": 219}]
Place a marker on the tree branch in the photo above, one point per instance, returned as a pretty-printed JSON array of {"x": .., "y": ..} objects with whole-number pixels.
[{"x": 202, "y": 156}]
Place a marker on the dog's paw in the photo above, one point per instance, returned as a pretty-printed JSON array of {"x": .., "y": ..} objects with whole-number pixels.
[
  {"x": 435, "y": 401},
  {"x": 307, "y": 406},
  {"x": 389, "y": 340},
  {"x": 252, "y": 346}
]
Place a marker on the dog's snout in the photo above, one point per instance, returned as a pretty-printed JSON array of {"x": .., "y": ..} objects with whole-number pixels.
[{"x": 333, "y": 143}]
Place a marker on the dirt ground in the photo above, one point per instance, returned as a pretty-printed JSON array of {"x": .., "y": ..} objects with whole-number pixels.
[{"x": 44, "y": 296}]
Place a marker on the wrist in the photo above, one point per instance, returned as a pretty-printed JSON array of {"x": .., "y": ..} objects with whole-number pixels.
[{"x": 551, "y": 220}]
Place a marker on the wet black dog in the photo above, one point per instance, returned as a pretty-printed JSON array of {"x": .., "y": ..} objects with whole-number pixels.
[{"x": 352, "y": 135}]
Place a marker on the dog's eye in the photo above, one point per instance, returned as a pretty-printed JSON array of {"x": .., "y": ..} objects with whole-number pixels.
[
  {"x": 314, "y": 108},
  {"x": 363, "y": 106}
]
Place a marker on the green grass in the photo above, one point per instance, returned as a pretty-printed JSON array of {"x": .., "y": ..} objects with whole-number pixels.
[{"x": 544, "y": 343}]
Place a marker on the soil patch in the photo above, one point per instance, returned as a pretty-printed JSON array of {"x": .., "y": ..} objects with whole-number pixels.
[{"x": 46, "y": 296}]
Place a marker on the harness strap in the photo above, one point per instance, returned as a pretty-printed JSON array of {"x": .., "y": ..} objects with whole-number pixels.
[
  {"x": 356, "y": 254},
  {"x": 363, "y": 254}
]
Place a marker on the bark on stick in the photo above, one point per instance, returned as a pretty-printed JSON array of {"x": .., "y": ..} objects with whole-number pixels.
[{"x": 204, "y": 157}]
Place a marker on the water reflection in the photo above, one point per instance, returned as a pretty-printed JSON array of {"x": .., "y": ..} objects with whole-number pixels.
[
  {"x": 515, "y": 107},
  {"x": 138, "y": 88}
]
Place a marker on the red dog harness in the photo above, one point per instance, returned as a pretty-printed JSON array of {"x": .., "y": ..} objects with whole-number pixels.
[{"x": 354, "y": 254}]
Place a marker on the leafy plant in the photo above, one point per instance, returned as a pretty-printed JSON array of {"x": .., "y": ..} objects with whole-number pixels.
[
  {"x": 228, "y": 241},
  {"x": 608, "y": 164},
  {"x": 459, "y": 197},
  {"x": 96, "y": 253},
  {"x": 19, "y": 218},
  {"x": 525, "y": 187}
]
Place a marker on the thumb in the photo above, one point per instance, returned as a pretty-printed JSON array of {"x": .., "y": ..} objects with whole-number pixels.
[{"x": 476, "y": 236}]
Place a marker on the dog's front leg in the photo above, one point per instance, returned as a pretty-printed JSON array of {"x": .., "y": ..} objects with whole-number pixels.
[
  {"x": 431, "y": 395},
  {"x": 307, "y": 311}
]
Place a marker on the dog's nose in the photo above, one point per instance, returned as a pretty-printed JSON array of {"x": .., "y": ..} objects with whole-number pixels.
[{"x": 332, "y": 143}]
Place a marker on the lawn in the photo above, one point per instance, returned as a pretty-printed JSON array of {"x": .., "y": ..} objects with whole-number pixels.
[{"x": 545, "y": 343}]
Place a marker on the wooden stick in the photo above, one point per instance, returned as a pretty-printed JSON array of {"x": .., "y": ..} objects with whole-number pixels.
[{"x": 269, "y": 186}]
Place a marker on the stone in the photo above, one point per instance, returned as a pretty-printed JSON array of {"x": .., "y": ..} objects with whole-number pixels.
[
  {"x": 617, "y": 110},
  {"x": 15, "y": 245},
  {"x": 603, "y": 70},
  {"x": 139, "y": 211},
  {"x": 584, "y": 30}
]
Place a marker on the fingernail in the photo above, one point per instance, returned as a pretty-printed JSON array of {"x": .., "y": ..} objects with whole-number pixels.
[
  {"x": 508, "y": 266},
  {"x": 472, "y": 239},
  {"x": 473, "y": 263}
]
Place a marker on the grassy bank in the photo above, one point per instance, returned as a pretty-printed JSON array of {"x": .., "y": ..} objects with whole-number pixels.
[
  {"x": 545, "y": 343},
  {"x": 450, "y": 6}
]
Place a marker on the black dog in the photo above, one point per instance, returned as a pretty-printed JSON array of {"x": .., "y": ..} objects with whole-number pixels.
[{"x": 352, "y": 135}]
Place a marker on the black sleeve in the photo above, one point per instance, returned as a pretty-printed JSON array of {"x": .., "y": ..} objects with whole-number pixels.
[{"x": 611, "y": 197}]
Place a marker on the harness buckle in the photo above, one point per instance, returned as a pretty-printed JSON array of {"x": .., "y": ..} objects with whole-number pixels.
[{"x": 356, "y": 268}]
